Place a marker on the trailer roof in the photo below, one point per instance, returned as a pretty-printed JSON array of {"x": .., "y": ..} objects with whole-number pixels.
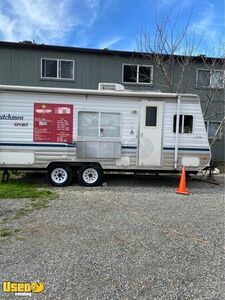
[{"x": 124, "y": 93}]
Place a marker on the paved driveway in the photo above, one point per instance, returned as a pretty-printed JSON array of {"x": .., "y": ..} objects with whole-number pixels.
[{"x": 132, "y": 239}]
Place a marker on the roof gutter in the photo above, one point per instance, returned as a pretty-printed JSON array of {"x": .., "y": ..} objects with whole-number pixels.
[{"x": 124, "y": 93}]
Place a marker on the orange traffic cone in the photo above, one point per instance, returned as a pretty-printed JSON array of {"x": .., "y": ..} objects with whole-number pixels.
[{"x": 182, "y": 186}]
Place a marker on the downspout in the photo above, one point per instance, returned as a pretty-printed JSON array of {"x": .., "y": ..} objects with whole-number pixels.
[{"x": 177, "y": 132}]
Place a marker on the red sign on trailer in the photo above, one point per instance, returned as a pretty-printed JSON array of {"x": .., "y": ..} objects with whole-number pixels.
[{"x": 53, "y": 123}]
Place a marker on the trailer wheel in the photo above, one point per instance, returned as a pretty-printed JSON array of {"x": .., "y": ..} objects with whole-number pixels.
[
  {"x": 90, "y": 176},
  {"x": 60, "y": 175}
]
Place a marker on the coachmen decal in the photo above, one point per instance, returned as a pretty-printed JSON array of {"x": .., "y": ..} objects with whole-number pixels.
[{"x": 11, "y": 117}]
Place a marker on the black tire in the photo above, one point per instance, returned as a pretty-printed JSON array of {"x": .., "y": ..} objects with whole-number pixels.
[
  {"x": 90, "y": 175},
  {"x": 60, "y": 175}
]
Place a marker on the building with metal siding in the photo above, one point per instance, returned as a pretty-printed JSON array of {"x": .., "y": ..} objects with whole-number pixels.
[{"x": 21, "y": 64}]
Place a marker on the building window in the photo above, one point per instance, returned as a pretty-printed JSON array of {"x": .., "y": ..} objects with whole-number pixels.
[
  {"x": 57, "y": 68},
  {"x": 210, "y": 78},
  {"x": 185, "y": 123},
  {"x": 212, "y": 128},
  {"x": 141, "y": 74},
  {"x": 151, "y": 116},
  {"x": 99, "y": 124}
]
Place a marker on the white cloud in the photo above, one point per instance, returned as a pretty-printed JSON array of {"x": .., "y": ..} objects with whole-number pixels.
[
  {"x": 206, "y": 24},
  {"x": 209, "y": 30},
  {"x": 45, "y": 21},
  {"x": 110, "y": 42}
]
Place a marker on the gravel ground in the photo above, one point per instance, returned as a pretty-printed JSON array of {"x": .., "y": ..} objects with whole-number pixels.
[{"x": 134, "y": 238}]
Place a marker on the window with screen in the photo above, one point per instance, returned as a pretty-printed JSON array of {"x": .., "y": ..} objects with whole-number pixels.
[
  {"x": 214, "y": 129},
  {"x": 141, "y": 74},
  {"x": 110, "y": 125},
  {"x": 210, "y": 78},
  {"x": 151, "y": 116},
  {"x": 99, "y": 124},
  {"x": 57, "y": 68},
  {"x": 88, "y": 124},
  {"x": 185, "y": 123},
  {"x": 144, "y": 75},
  {"x": 129, "y": 73}
]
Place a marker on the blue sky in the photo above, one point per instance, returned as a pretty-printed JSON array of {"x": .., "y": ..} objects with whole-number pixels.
[{"x": 113, "y": 24}]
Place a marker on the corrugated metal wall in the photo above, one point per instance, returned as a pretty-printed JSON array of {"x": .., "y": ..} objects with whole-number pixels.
[{"x": 23, "y": 67}]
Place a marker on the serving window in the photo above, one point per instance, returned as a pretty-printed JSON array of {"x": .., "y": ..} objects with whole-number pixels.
[{"x": 99, "y": 124}]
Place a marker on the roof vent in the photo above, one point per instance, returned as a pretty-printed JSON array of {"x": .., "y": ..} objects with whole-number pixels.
[
  {"x": 111, "y": 86},
  {"x": 27, "y": 42}
]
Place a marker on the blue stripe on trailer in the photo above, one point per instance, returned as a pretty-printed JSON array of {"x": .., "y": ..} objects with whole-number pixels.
[
  {"x": 129, "y": 147},
  {"x": 186, "y": 149},
  {"x": 53, "y": 145}
]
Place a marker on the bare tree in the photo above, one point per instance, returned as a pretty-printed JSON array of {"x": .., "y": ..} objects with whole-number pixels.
[
  {"x": 215, "y": 104},
  {"x": 172, "y": 49},
  {"x": 168, "y": 49}
]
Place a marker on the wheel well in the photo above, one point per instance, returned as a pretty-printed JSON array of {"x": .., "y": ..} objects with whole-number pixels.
[{"x": 94, "y": 164}]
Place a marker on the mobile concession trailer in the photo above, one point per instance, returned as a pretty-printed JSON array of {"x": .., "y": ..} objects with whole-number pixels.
[{"x": 88, "y": 131}]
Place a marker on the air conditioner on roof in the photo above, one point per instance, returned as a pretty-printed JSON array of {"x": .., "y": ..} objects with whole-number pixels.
[{"x": 111, "y": 86}]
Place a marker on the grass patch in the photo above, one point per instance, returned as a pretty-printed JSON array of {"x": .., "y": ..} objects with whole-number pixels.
[
  {"x": 22, "y": 212},
  {"x": 18, "y": 189},
  {"x": 22, "y": 187},
  {"x": 35, "y": 204},
  {"x": 4, "y": 232}
]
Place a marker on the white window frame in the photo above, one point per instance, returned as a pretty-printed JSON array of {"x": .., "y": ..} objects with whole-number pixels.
[
  {"x": 99, "y": 137},
  {"x": 58, "y": 68},
  {"x": 137, "y": 81},
  {"x": 198, "y": 84},
  {"x": 182, "y": 124},
  {"x": 219, "y": 137}
]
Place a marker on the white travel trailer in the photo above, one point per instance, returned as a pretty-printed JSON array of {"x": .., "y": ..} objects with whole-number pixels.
[{"x": 88, "y": 131}]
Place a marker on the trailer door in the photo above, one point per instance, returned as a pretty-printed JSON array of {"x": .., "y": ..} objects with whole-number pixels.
[{"x": 150, "y": 139}]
